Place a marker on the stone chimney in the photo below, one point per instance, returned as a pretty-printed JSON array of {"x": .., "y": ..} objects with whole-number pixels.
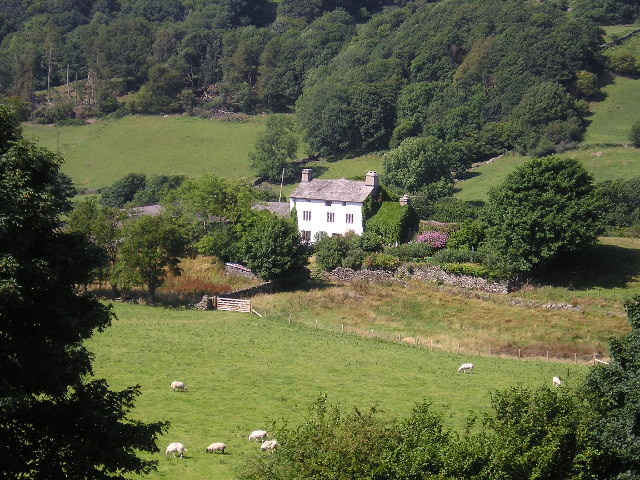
[
  {"x": 371, "y": 180},
  {"x": 405, "y": 201},
  {"x": 306, "y": 175}
]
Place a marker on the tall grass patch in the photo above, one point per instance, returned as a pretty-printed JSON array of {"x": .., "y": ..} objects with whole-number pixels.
[{"x": 243, "y": 372}]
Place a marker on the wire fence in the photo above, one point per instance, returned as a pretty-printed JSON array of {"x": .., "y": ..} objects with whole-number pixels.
[{"x": 420, "y": 341}]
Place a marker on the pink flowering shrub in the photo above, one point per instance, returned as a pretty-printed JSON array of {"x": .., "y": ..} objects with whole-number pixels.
[{"x": 433, "y": 239}]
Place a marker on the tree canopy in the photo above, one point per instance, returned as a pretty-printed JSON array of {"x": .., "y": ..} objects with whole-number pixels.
[
  {"x": 545, "y": 209},
  {"x": 56, "y": 420}
]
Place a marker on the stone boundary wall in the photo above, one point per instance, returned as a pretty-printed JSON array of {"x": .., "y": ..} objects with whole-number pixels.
[
  {"x": 423, "y": 273},
  {"x": 266, "y": 287},
  {"x": 237, "y": 269}
]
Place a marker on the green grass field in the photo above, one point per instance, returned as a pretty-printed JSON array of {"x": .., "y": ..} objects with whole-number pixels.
[
  {"x": 244, "y": 372},
  {"x": 612, "y": 118},
  {"x": 97, "y": 155},
  {"x": 487, "y": 176}
]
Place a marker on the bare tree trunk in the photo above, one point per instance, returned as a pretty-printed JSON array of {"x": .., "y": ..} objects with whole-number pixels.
[{"x": 49, "y": 73}]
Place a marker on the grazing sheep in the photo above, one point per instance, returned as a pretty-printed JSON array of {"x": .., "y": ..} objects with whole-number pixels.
[
  {"x": 464, "y": 367},
  {"x": 174, "y": 448},
  {"x": 556, "y": 381},
  {"x": 178, "y": 386},
  {"x": 258, "y": 435},
  {"x": 268, "y": 445},
  {"x": 216, "y": 447}
]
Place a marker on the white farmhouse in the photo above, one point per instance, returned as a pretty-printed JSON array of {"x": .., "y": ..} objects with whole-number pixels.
[{"x": 333, "y": 207}]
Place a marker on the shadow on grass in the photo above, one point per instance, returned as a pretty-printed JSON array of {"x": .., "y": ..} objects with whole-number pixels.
[
  {"x": 602, "y": 266},
  {"x": 467, "y": 175}
]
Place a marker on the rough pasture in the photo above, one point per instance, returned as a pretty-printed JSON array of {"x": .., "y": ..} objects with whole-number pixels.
[{"x": 243, "y": 372}]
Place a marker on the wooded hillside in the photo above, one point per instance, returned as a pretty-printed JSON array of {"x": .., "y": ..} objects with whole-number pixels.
[{"x": 362, "y": 75}]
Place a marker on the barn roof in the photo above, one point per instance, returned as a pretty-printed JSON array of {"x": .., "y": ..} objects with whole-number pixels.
[{"x": 340, "y": 190}]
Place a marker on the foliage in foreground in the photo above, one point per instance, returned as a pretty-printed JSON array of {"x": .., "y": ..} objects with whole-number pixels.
[
  {"x": 552, "y": 433},
  {"x": 55, "y": 420}
]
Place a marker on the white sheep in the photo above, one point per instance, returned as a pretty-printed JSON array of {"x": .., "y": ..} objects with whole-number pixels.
[
  {"x": 464, "y": 367},
  {"x": 175, "y": 385},
  {"x": 258, "y": 435},
  {"x": 269, "y": 445},
  {"x": 174, "y": 448},
  {"x": 216, "y": 447},
  {"x": 556, "y": 381}
]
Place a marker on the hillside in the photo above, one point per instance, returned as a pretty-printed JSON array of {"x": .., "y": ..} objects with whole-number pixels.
[{"x": 604, "y": 150}]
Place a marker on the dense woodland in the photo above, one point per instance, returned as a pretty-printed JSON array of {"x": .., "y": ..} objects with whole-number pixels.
[{"x": 362, "y": 75}]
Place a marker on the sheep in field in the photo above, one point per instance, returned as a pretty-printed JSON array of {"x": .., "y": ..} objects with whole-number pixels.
[
  {"x": 258, "y": 435},
  {"x": 174, "y": 448},
  {"x": 556, "y": 381},
  {"x": 464, "y": 367},
  {"x": 178, "y": 386},
  {"x": 268, "y": 445},
  {"x": 216, "y": 447}
]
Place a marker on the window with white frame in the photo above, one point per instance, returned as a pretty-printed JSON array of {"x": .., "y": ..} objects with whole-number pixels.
[
  {"x": 331, "y": 217},
  {"x": 306, "y": 235},
  {"x": 349, "y": 218},
  {"x": 306, "y": 215}
]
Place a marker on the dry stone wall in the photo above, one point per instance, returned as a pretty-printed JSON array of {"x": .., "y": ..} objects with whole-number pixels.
[{"x": 424, "y": 273}]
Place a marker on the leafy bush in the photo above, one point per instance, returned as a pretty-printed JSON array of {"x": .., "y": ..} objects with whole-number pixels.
[
  {"x": 123, "y": 190},
  {"x": 393, "y": 222},
  {"x": 369, "y": 242},
  {"x": 412, "y": 251},
  {"x": 329, "y": 251},
  {"x": 469, "y": 236},
  {"x": 53, "y": 113},
  {"x": 451, "y": 209},
  {"x": 457, "y": 255},
  {"x": 634, "y": 134},
  {"x": 466, "y": 269},
  {"x": 381, "y": 261}
]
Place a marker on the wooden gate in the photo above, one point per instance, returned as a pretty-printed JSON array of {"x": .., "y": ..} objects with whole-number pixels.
[{"x": 232, "y": 305}]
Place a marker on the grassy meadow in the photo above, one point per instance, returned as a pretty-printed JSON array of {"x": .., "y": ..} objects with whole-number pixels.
[
  {"x": 244, "y": 372},
  {"x": 97, "y": 155}
]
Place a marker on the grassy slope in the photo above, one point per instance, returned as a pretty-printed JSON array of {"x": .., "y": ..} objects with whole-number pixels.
[
  {"x": 243, "y": 372},
  {"x": 97, "y": 155}
]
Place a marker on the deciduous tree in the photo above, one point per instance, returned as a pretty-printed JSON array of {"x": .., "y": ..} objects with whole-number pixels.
[
  {"x": 56, "y": 420},
  {"x": 150, "y": 250},
  {"x": 544, "y": 209}
]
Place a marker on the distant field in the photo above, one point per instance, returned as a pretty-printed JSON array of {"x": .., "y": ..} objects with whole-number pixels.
[
  {"x": 613, "y": 117},
  {"x": 487, "y": 176},
  {"x": 243, "y": 372},
  {"x": 619, "y": 30},
  {"x": 96, "y": 155}
]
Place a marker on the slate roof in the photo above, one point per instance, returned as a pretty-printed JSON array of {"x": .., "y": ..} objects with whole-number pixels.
[
  {"x": 341, "y": 190},
  {"x": 279, "y": 208}
]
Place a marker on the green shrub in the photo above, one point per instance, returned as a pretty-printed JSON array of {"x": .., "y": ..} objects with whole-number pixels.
[
  {"x": 413, "y": 251},
  {"x": 354, "y": 258},
  {"x": 381, "y": 261},
  {"x": 330, "y": 251},
  {"x": 393, "y": 222},
  {"x": 457, "y": 255},
  {"x": 470, "y": 235},
  {"x": 469, "y": 269},
  {"x": 369, "y": 242}
]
